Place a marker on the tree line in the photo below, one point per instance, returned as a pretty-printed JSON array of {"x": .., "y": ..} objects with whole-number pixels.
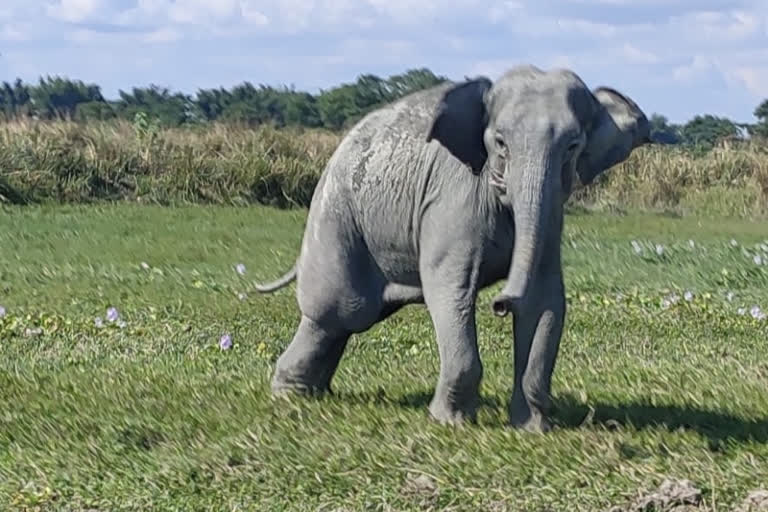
[{"x": 60, "y": 98}]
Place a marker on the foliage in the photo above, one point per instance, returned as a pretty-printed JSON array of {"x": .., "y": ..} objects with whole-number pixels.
[
  {"x": 662, "y": 131},
  {"x": 761, "y": 113},
  {"x": 335, "y": 108},
  {"x": 707, "y": 130}
]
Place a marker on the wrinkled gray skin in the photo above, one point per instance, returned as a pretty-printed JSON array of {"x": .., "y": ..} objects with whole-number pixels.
[{"x": 439, "y": 195}]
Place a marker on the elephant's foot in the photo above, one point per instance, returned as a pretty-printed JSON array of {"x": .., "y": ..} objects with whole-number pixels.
[
  {"x": 446, "y": 414},
  {"x": 284, "y": 387},
  {"x": 310, "y": 361},
  {"x": 454, "y": 408},
  {"x": 527, "y": 417}
]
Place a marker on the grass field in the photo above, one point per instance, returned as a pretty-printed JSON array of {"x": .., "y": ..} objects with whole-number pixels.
[{"x": 147, "y": 412}]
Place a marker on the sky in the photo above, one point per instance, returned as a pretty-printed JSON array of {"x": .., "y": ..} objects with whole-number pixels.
[{"x": 678, "y": 58}]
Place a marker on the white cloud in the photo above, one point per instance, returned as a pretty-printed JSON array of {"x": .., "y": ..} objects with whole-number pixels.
[
  {"x": 682, "y": 45},
  {"x": 755, "y": 79},
  {"x": 634, "y": 54},
  {"x": 73, "y": 10},
  {"x": 252, "y": 14},
  {"x": 13, "y": 32},
  {"x": 698, "y": 65},
  {"x": 718, "y": 25},
  {"x": 162, "y": 35}
]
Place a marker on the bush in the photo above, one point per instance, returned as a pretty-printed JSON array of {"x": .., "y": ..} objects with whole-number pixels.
[{"x": 217, "y": 163}]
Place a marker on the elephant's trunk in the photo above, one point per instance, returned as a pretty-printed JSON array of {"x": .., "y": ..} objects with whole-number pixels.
[{"x": 531, "y": 190}]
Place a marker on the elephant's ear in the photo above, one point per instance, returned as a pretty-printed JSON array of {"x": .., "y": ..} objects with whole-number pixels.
[
  {"x": 460, "y": 120},
  {"x": 616, "y": 128}
]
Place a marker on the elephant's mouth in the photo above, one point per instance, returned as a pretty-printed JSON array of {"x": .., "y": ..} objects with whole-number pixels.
[{"x": 496, "y": 179}]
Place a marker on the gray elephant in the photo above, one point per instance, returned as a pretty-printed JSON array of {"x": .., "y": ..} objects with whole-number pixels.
[{"x": 438, "y": 195}]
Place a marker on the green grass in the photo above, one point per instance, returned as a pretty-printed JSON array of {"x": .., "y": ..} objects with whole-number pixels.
[{"x": 155, "y": 416}]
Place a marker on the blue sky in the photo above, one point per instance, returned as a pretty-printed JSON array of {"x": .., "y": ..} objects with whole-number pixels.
[{"x": 675, "y": 57}]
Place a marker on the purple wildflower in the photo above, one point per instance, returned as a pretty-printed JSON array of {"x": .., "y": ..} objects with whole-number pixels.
[
  {"x": 225, "y": 342},
  {"x": 112, "y": 314}
]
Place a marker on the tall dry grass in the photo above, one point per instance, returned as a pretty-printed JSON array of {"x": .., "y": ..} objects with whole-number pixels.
[
  {"x": 728, "y": 180},
  {"x": 224, "y": 164},
  {"x": 219, "y": 164}
]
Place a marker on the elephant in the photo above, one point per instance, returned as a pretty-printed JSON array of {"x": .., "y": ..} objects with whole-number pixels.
[{"x": 437, "y": 195}]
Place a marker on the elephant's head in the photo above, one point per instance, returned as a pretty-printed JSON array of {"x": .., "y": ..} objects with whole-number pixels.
[{"x": 532, "y": 134}]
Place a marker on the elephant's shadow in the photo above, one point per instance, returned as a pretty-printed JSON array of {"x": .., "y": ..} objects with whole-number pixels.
[{"x": 717, "y": 427}]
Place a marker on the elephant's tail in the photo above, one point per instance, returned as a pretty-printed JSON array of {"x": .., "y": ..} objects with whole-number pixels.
[{"x": 281, "y": 282}]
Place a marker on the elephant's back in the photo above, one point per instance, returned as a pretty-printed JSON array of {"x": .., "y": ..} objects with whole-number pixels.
[{"x": 381, "y": 168}]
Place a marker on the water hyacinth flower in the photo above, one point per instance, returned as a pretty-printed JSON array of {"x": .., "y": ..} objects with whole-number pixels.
[
  {"x": 636, "y": 247},
  {"x": 757, "y": 313},
  {"x": 729, "y": 297},
  {"x": 659, "y": 249},
  {"x": 121, "y": 324},
  {"x": 240, "y": 268},
  {"x": 758, "y": 259},
  {"x": 98, "y": 322},
  {"x": 670, "y": 300},
  {"x": 225, "y": 342},
  {"x": 3, "y": 312},
  {"x": 688, "y": 296},
  {"x": 112, "y": 315},
  {"x": 741, "y": 311}
]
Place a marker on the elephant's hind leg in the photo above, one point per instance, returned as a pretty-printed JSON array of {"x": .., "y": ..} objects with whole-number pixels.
[
  {"x": 339, "y": 293},
  {"x": 311, "y": 359}
]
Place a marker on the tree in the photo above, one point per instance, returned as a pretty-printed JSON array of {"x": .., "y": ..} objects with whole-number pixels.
[
  {"x": 58, "y": 98},
  {"x": 413, "y": 80},
  {"x": 706, "y": 130},
  {"x": 95, "y": 111},
  {"x": 15, "y": 99},
  {"x": 171, "y": 109},
  {"x": 335, "y": 108},
  {"x": 761, "y": 113},
  {"x": 662, "y": 131}
]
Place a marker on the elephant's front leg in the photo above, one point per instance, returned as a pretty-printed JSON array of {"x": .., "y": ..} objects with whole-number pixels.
[
  {"x": 450, "y": 294},
  {"x": 537, "y": 332}
]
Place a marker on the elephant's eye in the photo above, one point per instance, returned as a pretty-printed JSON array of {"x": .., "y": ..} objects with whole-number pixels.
[
  {"x": 573, "y": 146},
  {"x": 499, "y": 141}
]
